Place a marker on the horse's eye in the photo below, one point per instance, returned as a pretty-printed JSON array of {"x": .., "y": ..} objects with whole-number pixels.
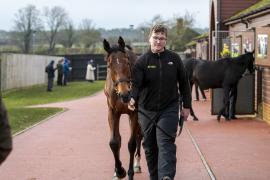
[{"x": 109, "y": 64}]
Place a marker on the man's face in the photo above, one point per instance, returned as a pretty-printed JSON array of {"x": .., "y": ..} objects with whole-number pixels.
[{"x": 157, "y": 42}]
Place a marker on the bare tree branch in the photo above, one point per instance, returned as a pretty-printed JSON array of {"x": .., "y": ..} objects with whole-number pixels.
[
  {"x": 89, "y": 35},
  {"x": 27, "y": 21},
  {"x": 55, "y": 20}
]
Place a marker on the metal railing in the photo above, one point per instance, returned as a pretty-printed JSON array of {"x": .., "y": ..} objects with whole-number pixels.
[{"x": 101, "y": 72}]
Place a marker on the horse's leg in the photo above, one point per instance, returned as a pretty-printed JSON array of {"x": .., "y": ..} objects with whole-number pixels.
[
  {"x": 134, "y": 125},
  {"x": 233, "y": 98},
  {"x": 191, "y": 109},
  {"x": 197, "y": 92},
  {"x": 202, "y": 92},
  {"x": 137, "y": 165},
  {"x": 226, "y": 102},
  {"x": 193, "y": 114},
  {"x": 115, "y": 142}
]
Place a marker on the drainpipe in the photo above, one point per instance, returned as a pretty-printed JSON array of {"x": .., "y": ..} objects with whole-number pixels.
[
  {"x": 218, "y": 16},
  {"x": 245, "y": 21},
  {"x": 218, "y": 25},
  {"x": 0, "y": 76}
]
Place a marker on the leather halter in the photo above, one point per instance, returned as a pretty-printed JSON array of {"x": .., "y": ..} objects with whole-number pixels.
[
  {"x": 123, "y": 80},
  {"x": 115, "y": 83}
]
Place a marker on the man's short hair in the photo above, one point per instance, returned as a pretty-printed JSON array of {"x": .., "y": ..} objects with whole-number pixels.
[{"x": 158, "y": 28}]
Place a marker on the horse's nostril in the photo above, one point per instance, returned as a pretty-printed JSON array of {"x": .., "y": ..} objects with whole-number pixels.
[{"x": 125, "y": 98}]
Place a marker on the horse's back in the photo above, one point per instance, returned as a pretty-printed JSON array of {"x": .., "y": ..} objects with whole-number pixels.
[
  {"x": 210, "y": 74},
  {"x": 216, "y": 74},
  {"x": 190, "y": 65}
]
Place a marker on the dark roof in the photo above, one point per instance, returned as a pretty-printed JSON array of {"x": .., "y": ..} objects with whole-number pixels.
[
  {"x": 191, "y": 43},
  {"x": 201, "y": 36},
  {"x": 256, "y": 8}
]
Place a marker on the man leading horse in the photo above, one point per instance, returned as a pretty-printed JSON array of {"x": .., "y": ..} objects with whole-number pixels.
[{"x": 159, "y": 76}]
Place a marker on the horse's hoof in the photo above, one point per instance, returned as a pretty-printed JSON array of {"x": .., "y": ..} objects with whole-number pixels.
[
  {"x": 121, "y": 173},
  {"x": 115, "y": 177},
  {"x": 195, "y": 119},
  {"x": 137, "y": 169},
  {"x": 227, "y": 119},
  {"x": 233, "y": 117},
  {"x": 218, "y": 118}
]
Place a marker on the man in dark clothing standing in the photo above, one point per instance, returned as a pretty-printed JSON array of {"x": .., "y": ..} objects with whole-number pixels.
[
  {"x": 50, "y": 71},
  {"x": 159, "y": 76},
  {"x": 5, "y": 134},
  {"x": 59, "y": 68}
]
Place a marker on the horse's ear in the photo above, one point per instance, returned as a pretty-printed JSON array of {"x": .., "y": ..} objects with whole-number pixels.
[
  {"x": 106, "y": 45},
  {"x": 246, "y": 51},
  {"x": 121, "y": 43},
  {"x": 253, "y": 51}
]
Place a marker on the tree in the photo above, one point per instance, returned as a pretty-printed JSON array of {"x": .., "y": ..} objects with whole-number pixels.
[
  {"x": 27, "y": 23},
  {"x": 88, "y": 34},
  {"x": 67, "y": 37},
  {"x": 181, "y": 31},
  {"x": 55, "y": 20},
  {"x": 157, "y": 19}
]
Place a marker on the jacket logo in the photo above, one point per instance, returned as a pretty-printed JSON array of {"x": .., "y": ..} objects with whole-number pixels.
[
  {"x": 170, "y": 63},
  {"x": 151, "y": 67}
]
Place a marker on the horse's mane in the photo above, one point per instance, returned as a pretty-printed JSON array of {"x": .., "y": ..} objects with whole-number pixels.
[
  {"x": 129, "y": 47},
  {"x": 132, "y": 55},
  {"x": 128, "y": 50},
  {"x": 116, "y": 48},
  {"x": 238, "y": 60}
]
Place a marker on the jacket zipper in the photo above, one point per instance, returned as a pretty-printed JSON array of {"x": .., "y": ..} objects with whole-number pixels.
[{"x": 160, "y": 79}]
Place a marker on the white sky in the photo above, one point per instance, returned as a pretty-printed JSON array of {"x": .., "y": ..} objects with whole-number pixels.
[{"x": 112, "y": 13}]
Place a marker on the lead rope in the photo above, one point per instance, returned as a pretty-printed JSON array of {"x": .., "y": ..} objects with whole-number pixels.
[{"x": 180, "y": 123}]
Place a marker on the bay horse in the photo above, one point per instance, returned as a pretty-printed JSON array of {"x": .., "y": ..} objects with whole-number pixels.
[
  {"x": 117, "y": 89},
  {"x": 224, "y": 73},
  {"x": 5, "y": 133}
]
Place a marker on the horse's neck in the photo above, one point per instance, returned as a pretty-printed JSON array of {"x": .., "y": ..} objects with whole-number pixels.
[
  {"x": 241, "y": 61},
  {"x": 132, "y": 57}
]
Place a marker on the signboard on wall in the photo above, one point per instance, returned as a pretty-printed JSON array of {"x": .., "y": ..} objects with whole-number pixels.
[
  {"x": 247, "y": 44},
  {"x": 262, "y": 42},
  {"x": 235, "y": 49},
  {"x": 262, "y": 46}
]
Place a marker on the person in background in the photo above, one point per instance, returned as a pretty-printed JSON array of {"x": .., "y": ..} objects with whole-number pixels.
[
  {"x": 66, "y": 70},
  {"x": 159, "y": 77},
  {"x": 90, "y": 75},
  {"x": 5, "y": 133},
  {"x": 50, "y": 71},
  {"x": 59, "y": 68}
]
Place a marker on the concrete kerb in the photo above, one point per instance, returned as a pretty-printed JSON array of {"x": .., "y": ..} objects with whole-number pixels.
[
  {"x": 46, "y": 119},
  {"x": 40, "y": 122}
]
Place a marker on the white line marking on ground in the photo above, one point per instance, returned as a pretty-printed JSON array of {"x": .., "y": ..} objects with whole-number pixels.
[{"x": 207, "y": 167}]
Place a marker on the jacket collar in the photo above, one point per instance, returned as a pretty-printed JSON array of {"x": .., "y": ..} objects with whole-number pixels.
[{"x": 156, "y": 54}]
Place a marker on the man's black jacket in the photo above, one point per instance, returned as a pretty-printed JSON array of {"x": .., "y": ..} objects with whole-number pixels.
[{"x": 157, "y": 80}]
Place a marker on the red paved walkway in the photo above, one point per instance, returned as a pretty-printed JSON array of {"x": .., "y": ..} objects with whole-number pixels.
[{"x": 74, "y": 145}]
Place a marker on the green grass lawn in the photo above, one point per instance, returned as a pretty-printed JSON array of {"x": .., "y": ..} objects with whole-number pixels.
[{"x": 21, "y": 117}]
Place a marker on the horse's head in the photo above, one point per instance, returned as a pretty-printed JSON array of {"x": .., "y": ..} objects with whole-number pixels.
[
  {"x": 118, "y": 64},
  {"x": 250, "y": 60}
]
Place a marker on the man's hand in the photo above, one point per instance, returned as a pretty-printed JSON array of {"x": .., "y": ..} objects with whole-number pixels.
[
  {"x": 131, "y": 104},
  {"x": 185, "y": 113}
]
